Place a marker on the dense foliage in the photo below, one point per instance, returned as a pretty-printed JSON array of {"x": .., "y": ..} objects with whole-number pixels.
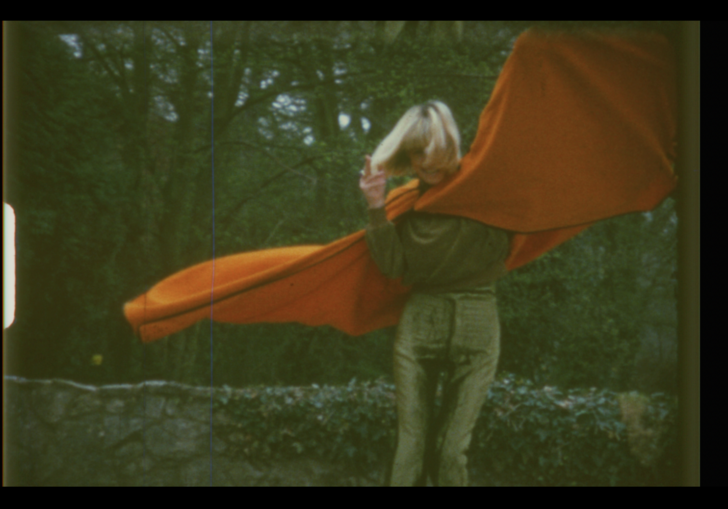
[
  {"x": 114, "y": 190},
  {"x": 525, "y": 436}
]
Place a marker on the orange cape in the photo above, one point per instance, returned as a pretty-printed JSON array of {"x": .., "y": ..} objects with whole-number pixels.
[{"x": 579, "y": 128}]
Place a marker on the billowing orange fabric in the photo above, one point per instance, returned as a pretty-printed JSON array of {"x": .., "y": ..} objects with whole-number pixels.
[{"x": 579, "y": 127}]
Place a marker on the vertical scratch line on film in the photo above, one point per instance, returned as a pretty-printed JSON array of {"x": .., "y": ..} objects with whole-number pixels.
[
  {"x": 212, "y": 150},
  {"x": 146, "y": 244}
]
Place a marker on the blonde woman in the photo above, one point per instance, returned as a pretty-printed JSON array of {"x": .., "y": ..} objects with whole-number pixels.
[{"x": 449, "y": 328}]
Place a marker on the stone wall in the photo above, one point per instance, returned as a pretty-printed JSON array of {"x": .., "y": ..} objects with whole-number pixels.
[{"x": 60, "y": 433}]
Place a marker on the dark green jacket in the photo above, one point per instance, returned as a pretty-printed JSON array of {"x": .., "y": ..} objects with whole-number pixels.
[{"x": 437, "y": 253}]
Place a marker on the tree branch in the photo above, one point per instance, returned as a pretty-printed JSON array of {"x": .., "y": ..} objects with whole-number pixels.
[
  {"x": 100, "y": 58},
  {"x": 225, "y": 121},
  {"x": 169, "y": 36},
  {"x": 236, "y": 208}
]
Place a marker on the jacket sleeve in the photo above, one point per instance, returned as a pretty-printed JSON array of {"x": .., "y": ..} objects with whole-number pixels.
[{"x": 384, "y": 244}]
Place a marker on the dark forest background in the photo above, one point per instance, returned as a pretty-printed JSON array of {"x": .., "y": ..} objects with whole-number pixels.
[{"x": 110, "y": 130}]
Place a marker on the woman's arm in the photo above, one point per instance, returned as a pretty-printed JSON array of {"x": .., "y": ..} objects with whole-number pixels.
[{"x": 381, "y": 237}]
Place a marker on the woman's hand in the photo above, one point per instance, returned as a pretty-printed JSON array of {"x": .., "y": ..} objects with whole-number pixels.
[{"x": 373, "y": 185}]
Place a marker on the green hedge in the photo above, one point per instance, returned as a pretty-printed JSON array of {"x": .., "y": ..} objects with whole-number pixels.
[
  {"x": 525, "y": 436},
  {"x": 529, "y": 436}
]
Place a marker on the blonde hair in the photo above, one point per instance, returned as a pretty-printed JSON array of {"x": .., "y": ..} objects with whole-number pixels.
[{"x": 428, "y": 128}]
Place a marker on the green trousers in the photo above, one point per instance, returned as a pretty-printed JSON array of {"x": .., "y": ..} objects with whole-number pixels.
[{"x": 456, "y": 337}]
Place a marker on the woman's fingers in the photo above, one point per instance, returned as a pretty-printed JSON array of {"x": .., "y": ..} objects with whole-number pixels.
[
  {"x": 367, "y": 166},
  {"x": 369, "y": 181},
  {"x": 373, "y": 185}
]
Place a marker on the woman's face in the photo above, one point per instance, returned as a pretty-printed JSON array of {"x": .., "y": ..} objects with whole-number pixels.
[{"x": 431, "y": 176}]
